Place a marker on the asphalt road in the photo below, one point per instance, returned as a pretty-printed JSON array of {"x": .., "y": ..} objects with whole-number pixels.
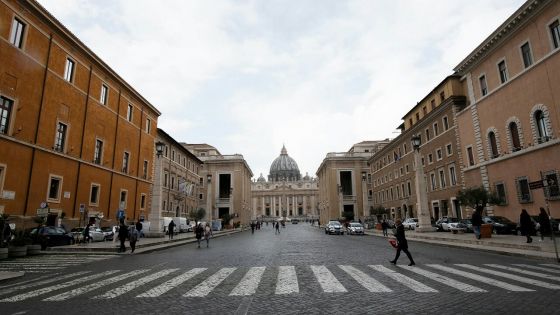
[{"x": 301, "y": 270}]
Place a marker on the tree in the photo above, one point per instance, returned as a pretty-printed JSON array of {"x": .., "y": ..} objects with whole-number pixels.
[
  {"x": 477, "y": 197},
  {"x": 197, "y": 214}
]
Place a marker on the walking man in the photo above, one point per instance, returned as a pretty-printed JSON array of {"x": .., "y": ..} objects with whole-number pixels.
[
  {"x": 252, "y": 227},
  {"x": 171, "y": 229},
  {"x": 476, "y": 220},
  {"x": 402, "y": 244},
  {"x": 123, "y": 234},
  {"x": 198, "y": 232},
  {"x": 277, "y": 228},
  {"x": 384, "y": 227}
]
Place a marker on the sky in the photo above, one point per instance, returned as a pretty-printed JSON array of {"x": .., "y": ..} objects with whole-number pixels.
[{"x": 248, "y": 76}]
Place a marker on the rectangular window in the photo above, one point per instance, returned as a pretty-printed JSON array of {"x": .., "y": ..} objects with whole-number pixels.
[
  {"x": 409, "y": 188},
  {"x": 126, "y": 158},
  {"x": 452, "y": 175},
  {"x": 449, "y": 149},
  {"x": 60, "y": 139},
  {"x": 555, "y": 33},
  {"x": 427, "y": 134},
  {"x": 442, "y": 96},
  {"x": 483, "y": 85},
  {"x": 6, "y": 106},
  {"x": 129, "y": 112},
  {"x": 501, "y": 193},
  {"x": 164, "y": 205},
  {"x": 2, "y": 174},
  {"x": 430, "y": 158},
  {"x": 502, "y": 69},
  {"x": 552, "y": 190},
  {"x": 439, "y": 154},
  {"x": 55, "y": 185},
  {"x": 104, "y": 94},
  {"x": 436, "y": 130},
  {"x": 417, "y": 116},
  {"x": 148, "y": 125},
  {"x": 94, "y": 194},
  {"x": 424, "y": 111},
  {"x": 165, "y": 180},
  {"x": 69, "y": 70},
  {"x": 145, "y": 170},
  {"x": 172, "y": 182},
  {"x": 98, "y": 154},
  {"x": 173, "y": 155},
  {"x": 200, "y": 196},
  {"x": 18, "y": 30},
  {"x": 123, "y": 199},
  {"x": 142, "y": 201},
  {"x": 433, "y": 181},
  {"x": 433, "y": 104},
  {"x": 445, "y": 123},
  {"x": 442, "y": 178},
  {"x": 526, "y": 53},
  {"x": 471, "y": 156},
  {"x": 523, "y": 191}
]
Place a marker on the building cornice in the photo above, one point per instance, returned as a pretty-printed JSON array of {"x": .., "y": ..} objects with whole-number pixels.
[{"x": 503, "y": 32}]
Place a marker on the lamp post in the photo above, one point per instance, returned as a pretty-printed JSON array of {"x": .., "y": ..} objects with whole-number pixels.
[
  {"x": 364, "y": 194},
  {"x": 209, "y": 207},
  {"x": 155, "y": 212},
  {"x": 339, "y": 187},
  {"x": 424, "y": 221}
]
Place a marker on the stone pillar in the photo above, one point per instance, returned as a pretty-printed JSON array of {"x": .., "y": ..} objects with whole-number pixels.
[
  {"x": 422, "y": 208},
  {"x": 155, "y": 218}
]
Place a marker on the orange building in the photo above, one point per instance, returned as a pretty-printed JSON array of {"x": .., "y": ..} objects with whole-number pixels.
[
  {"x": 74, "y": 136},
  {"x": 509, "y": 131}
]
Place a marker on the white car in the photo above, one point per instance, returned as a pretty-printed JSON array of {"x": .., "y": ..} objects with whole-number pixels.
[
  {"x": 410, "y": 223},
  {"x": 355, "y": 228},
  {"x": 96, "y": 234}
]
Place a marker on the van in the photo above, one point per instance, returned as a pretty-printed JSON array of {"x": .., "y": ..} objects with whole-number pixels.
[{"x": 181, "y": 224}]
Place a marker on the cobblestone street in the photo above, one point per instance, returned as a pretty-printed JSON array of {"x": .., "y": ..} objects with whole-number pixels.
[{"x": 302, "y": 270}]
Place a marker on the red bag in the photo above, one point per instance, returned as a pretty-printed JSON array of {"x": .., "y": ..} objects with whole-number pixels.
[{"x": 393, "y": 242}]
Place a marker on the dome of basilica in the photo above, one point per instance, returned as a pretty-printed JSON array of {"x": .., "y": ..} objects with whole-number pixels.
[{"x": 284, "y": 168}]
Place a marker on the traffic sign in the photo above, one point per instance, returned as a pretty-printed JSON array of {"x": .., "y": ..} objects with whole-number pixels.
[
  {"x": 42, "y": 212},
  {"x": 536, "y": 185},
  {"x": 120, "y": 214},
  {"x": 82, "y": 208}
]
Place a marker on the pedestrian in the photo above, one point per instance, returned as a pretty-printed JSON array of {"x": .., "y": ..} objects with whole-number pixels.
[
  {"x": 384, "y": 227},
  {"x": 526, "y": 225},
  {"x": 133, "y": 238},
  {"x": 207, "y": 234},
  {"x": 115, "y": 233},
  {"x": 544, "y": 222},
  {"x": 6, "y": 237},
  {"x": 252, "y": 227},
  {"x": 402, "y": 244},
  {"x": 277, "y": 228},
  {"x": 476, "y": 220},
  {"x": 171, "y": 229},
  {"x": 86, "y": 233},
  {"x": 198, "y": 232},
  {"x": 139, "y": 227},
  {"x": 123, "y": 235}
]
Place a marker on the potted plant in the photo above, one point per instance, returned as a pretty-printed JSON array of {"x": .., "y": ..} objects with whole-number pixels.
[
  {"x": 478, "y": 198},
  {"x": 4, "y": 231},
  {"x": 18, "y": 245}
]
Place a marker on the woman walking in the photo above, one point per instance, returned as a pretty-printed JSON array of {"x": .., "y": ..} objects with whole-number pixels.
[
  {"x": 544, "y": 222},
  {"x": 207, "y": 234},
  {"x": 526, "y": 225},
  {"x": 123, "y": 234},
  {"x": 133, "y": 238},
  {"x": 198, "y": 232},
  {"x": 402, "y": 244}
]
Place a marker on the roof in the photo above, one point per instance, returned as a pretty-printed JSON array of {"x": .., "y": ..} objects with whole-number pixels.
[{"x": 165, "y": 135}]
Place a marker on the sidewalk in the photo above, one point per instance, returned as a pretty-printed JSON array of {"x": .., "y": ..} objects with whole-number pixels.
[
  {"x": 144, "y": 245},
  {"x": 503, "y": 244}
]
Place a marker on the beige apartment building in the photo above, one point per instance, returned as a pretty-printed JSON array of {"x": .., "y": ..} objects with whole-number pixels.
[
  {"x": 343, "y": 182},
  {"x": 75, "y": 138},
  {"x": 286, "y": 193},
  {"x": 509, "y": 130},
  {"x": 176, "y": 181},
  {"x": 225, "y": 184},
  {"x": 393, "y": 168}
]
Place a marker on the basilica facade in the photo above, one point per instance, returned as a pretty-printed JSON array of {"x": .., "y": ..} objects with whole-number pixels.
[{"x": 286, "y": 194}]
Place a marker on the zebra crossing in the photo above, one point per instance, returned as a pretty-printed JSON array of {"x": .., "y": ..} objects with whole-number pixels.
[
  {"x": 53, "y": 263},
  {"x": 284, "y": 280}
]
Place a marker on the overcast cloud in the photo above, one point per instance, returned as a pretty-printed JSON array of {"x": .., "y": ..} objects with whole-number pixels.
[{"x": 248, "y": 76}]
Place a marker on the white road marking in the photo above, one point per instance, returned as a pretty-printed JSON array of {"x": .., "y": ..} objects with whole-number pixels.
[
  {"x": 27, "y": 281},
  {"x": 409, "y": 282},
  {"x": 134, "y": 284},
  {"x": 287, "y": 282},
  {"x": 168, "y": 285},
  {"x": 36, "y": 284},
  {"x": 94, "y": 286},
  {"x": 512, "y": 277},
  {"x": 538, "y": 268},
  {"x": 30, "y": 268},
  {"x": 526, "y": 272},
  {"x": 209, "y": 284},
  {"x": 461, "y": 286},
  {"x": 327, "y": 280},
  {"x": 551, "y": 265},
  {"x": 486, "y": 280},
  {"x": 250, "y": 282},
  {"x": 24, "y": 296},
  {"x": 366, "y": 281}
]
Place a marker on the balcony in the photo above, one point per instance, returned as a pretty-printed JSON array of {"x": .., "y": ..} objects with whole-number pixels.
[{"x": 348, "y": 198}]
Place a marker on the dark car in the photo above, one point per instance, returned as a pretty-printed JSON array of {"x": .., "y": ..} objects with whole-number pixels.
[
  {"x": 500, "y": 225},
  {"x": 50, "y": 236},
  {"x": 468, "y": 224}
]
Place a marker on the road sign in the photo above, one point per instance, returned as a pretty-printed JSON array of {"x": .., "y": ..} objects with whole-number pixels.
[
  {"x": 536, "y": 185},
  {"x": 42, "y": 212},
  {"x": 82, "y": 208},
  {"x": 120, "y": 214}
]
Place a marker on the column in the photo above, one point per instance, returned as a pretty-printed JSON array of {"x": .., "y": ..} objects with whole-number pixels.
[{"x": 422, "y": 208}]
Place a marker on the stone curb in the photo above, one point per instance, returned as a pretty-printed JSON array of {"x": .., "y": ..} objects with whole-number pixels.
[{"x": 7, "y": 275}]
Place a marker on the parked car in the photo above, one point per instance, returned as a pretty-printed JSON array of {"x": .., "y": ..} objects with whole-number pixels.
[
  {"x": 355, "y": 228},
  {"x": 109, "y": 233},
  {"x": 468, "y": 224},
  {"x": 448, "y": 224},
  {"x": 52, "y": 236},
  {"x": 95, "y": 234},
  {"x": 501, "y": 225},
  {"x": 295, "y": 221},
  {"x": 334, "y": 227},
  {"x": 410, "y": 223}
]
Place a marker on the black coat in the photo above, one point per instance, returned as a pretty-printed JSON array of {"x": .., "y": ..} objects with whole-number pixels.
[
  {"x": 401, "y": 239},
  {"x": 199, "y": 231},
  {"x": 476, "y": 219},
  {"x": 123, "y": 232},
  {"x": 525, "y": 224},
  {"x": 544, "y": 222}
]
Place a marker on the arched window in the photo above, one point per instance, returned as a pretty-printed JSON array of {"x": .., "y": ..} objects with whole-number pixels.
[
  {"x": 493, "y": 144},
  {"x": 540, "y": 122},
  {"x": 514, "y": 133}
]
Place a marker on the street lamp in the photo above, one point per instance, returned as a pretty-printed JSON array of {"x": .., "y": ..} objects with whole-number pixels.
[
  {"x": 424, "y": 221},
  {"x": 159, "y": 148}
]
